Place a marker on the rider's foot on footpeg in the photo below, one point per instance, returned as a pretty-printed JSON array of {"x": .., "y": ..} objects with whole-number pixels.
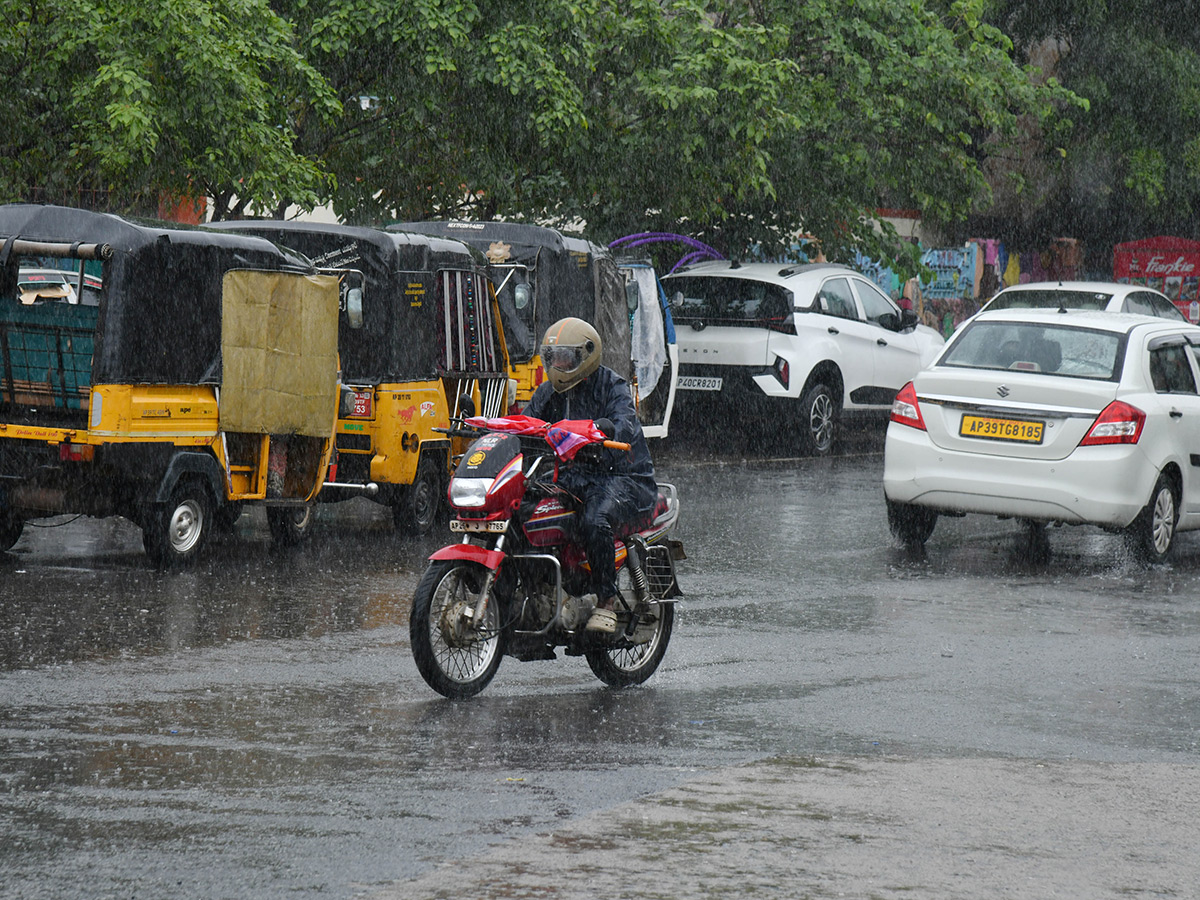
[{"x": 603, "y": 620}]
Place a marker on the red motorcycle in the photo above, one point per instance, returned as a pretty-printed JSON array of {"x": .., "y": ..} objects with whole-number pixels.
[{"x": 518, "y": 582}]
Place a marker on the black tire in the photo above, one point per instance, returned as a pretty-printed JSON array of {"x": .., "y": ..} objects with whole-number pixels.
[
  {"x": 456, "y": 662},
  {"x": 820, "y": 411},
  {"x": 1151, "y": 536},
  {"x": 290, "y": 524},
  {"x": 911, "y": 525},
  {"x": 1033, "y": 545},
  {"x": 10, "y": 531},
  {"x": 175, "y": 534},
  {"x": 627, "y": 664},
  {"x": 421, "y": 502},
  {"x": 226, "y": 516}
]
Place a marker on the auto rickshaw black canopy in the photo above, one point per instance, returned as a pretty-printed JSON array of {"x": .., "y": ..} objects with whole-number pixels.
[
  {"x": 399, "y": 338},
  {"x": 570, "y": 277},
  {"x": 161, "y": 301}
]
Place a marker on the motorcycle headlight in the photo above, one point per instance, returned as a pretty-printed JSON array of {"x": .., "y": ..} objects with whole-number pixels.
[{"x": 469, "y": 493}]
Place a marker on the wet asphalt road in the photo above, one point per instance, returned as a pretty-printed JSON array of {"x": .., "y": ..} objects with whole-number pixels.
[{"x": 255, "y": 727}]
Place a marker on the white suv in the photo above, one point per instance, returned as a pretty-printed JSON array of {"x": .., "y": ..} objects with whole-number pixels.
[{"x": 798, "y": 344}]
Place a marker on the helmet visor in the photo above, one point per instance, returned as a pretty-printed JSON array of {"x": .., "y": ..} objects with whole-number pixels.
[{"x": 563, "y": 358}]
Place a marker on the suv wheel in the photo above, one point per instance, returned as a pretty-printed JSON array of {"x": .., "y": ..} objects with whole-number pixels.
[{"x": 819, "y": 413}]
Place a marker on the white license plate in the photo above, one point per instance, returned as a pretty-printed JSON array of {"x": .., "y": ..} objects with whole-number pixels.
[
  {"x": 495, "y": 525},
  {"x": 698, "y": 383}
]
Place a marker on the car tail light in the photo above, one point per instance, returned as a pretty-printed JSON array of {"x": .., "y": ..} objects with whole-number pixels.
[
  {"x": 782, "y": 370},
  {"x": 1119, "y": 423},
  {"x": 906, "y": 410}
]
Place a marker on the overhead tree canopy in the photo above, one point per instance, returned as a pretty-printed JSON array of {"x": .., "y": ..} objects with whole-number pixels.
[
  {"x": 741, "y": 121},
  {"x": 1130, "y": 164},
  {"x": 744, "y": 122},
  {"x": 142, "y": 99}
]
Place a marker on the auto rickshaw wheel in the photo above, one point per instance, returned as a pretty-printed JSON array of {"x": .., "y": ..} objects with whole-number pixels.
[
  {"x": 290, "y": 524},
  {"x": 10, "y": 530},
  {"x": 419, "y": 504},
  {"x": 174, "y": 533}
]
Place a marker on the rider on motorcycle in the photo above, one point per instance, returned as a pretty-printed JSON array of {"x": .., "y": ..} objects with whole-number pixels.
[{"x": 614, "y": 487}]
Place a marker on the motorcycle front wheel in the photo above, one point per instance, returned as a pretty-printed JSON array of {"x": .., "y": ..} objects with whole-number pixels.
[
  {"x": 628, "y": 664},
  {"x": 456, "y": 656}
]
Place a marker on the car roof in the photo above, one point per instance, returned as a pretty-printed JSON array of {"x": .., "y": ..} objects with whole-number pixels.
[
  {"x": 1093, "y": 287},
  {"x": 777, "y": 273},
  {"x": 1096, "y": 286},
  {"x": 1121, "y": 322}
]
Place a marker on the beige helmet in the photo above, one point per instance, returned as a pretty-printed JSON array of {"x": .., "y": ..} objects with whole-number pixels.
[{"x": 570, "y": 353}]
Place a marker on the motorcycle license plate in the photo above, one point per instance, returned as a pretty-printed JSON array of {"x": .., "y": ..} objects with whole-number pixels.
[
  {"x": 993, "y": 429},
  {"x": 698, "y": 383},
  {"x": 460, "y": 525}
]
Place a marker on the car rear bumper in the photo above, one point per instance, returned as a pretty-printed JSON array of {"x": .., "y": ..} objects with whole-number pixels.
[{"x": 1106, "y": 486}]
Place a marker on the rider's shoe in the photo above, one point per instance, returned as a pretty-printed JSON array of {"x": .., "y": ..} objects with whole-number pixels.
[{"x": 602, "y": 619}]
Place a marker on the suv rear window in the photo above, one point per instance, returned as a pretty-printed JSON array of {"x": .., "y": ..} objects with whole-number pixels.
[
  {"x": 1077, "y": 352},
  {"x": 729, "y": 301}
]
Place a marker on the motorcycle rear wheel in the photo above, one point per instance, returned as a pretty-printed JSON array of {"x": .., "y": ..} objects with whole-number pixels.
[
  {"x": 456, "y": 661},
  {"x": 629, "y": 665}
]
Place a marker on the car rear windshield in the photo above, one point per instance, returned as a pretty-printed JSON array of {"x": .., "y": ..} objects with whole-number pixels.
[
  {"x": 1029, "y": 347},
  {"x": 1050, "y": 299},
  {"x": 730, "y": 301}
]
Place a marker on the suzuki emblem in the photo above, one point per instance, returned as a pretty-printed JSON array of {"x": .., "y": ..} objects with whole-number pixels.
[{"x": 1002, "y": 390}]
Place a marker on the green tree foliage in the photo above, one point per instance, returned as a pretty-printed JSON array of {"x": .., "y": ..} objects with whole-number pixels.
[
  {"x": 1127, "y": 166},
  {"x": 138, "y": 100},
  {"x": 900, "y": 104},
  {"x": 739, "y": 121},
  {"x": 742, "y": 121}
]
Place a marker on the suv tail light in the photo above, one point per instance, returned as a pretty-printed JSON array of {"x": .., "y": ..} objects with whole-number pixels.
[
  {"x": 906, "y": 410},
  {"x": 1118, "y": 423},
  {"x": 782, "y": 371}
]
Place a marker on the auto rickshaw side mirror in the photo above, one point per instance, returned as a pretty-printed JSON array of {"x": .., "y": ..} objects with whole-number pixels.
[
  {"x": 521, "y": 295},
  {"x": 354, "y": 307},
  {"x": 633, "y": 296}
]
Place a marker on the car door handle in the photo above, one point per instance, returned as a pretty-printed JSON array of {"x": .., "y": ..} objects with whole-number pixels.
[
  {"x": 833, "y": 330},
  {"x": 1176, "y": 414},
  {"x": 881, "y": 342}
]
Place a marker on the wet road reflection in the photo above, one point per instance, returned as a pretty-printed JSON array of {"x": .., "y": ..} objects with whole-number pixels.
[{"x": 255, "y": 726}]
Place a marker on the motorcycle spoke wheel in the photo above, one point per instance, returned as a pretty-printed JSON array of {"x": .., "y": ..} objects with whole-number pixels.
[
  {"x": 626, "y": 664},
  {"x": 456, "y": 657}
]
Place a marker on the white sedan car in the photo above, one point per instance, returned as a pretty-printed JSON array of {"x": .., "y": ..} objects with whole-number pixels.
[
  {"x": 1060, "y": 416},
  {"x": 1103, "y": 295}
]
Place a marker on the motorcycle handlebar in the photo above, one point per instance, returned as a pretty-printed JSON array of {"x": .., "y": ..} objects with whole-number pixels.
[{"x": 617, "y": 445}]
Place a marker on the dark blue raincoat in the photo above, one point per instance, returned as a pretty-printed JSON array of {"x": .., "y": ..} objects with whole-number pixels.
[{"x": 615, "y": 488}]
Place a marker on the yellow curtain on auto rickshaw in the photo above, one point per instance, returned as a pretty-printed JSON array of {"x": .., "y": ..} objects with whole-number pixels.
[{"x": 278, "y": 353}]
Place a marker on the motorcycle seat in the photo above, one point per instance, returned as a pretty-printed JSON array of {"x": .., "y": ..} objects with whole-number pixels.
[{"x": 661, "y": 510}]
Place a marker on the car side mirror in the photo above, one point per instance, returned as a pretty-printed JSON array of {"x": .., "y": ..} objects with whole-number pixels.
[
  {"x": 908, "y": 320},
  {"x": 890, "y": 321}
]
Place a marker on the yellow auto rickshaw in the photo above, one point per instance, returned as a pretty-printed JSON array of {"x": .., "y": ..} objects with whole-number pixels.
[
  {"x": 419, "y": 329},
  {"x": 202, "y": 376}
]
